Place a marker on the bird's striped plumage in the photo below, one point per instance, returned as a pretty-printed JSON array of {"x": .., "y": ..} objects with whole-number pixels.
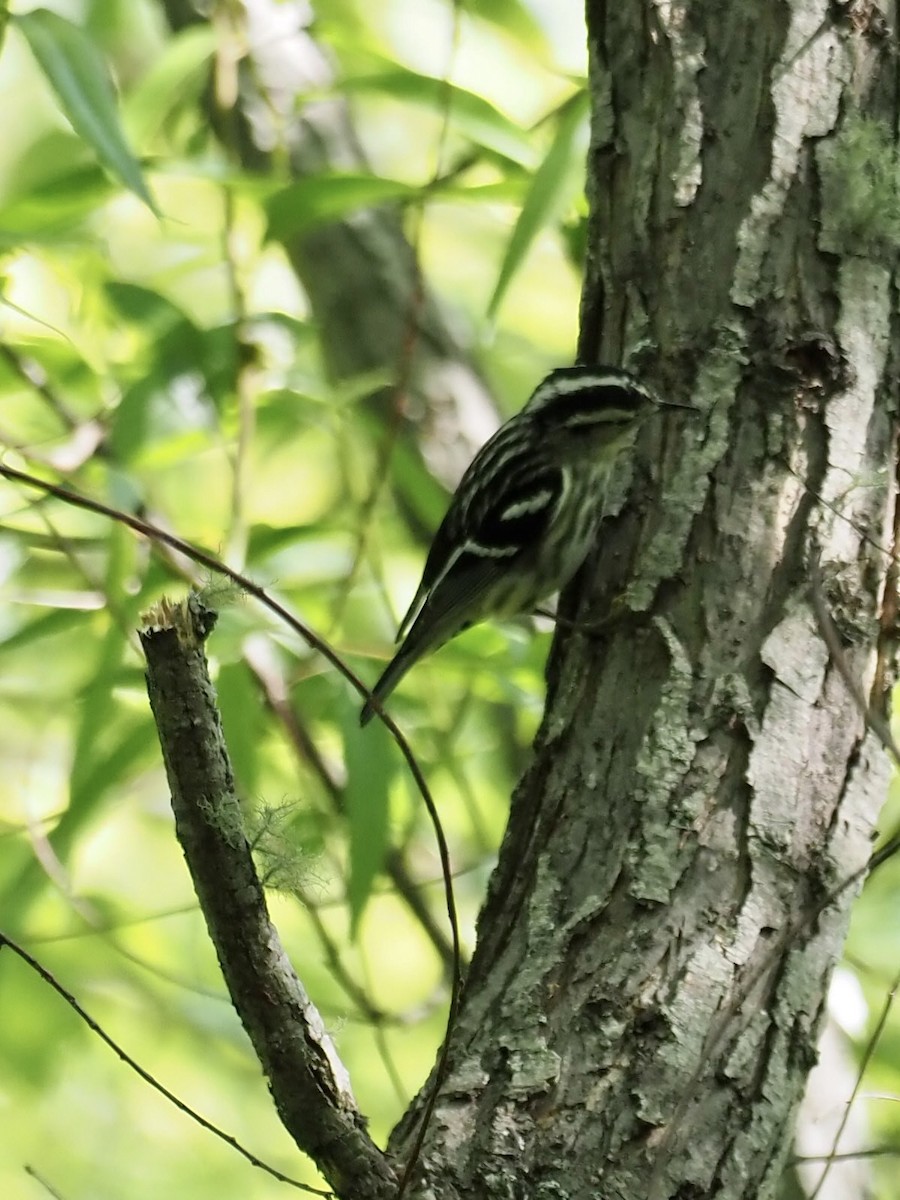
[{"x": 526, "y": 511}]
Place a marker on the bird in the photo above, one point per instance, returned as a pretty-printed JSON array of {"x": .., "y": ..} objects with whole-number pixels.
[{"x": 526, "y": 511}]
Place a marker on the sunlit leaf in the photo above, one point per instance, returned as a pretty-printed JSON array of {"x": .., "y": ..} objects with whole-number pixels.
[
  {"x": 78, "y": 74},
  {"x": 47, "y": 624},
  {"x": 242, "y": 722},
  {"x": 369, "y": 763},
  {"x": 471, "y": 115},
  {"x": 510, "y": 16},
  {"x": 54, "y": 208},
  {"x": 545, "y": 197},
  {"x": 326, "y": 198},
  {"x": 426, "y": 497},
  {"x": 173, "y": 82}
]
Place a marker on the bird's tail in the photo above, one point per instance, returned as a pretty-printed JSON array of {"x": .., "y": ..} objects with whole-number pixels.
[
  {"x": 390, "y": 677},
  {"x": 431, "y": 628}
]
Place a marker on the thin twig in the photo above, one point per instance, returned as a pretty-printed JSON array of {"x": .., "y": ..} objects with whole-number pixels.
[
  {"x": 830, "y": 636},
  {"x": 38, "y": 1178},
  {"x": 864, "y": 1062},
  {"x": 873, "y": 720},
  {"x": 847, "y": 1156},
  {"x": 146, "y": 1076},
  {"x": 34, "y": 375}
]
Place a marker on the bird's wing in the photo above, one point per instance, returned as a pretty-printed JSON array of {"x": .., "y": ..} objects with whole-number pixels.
[
  {"x": 443, "y": 612},
  {"x": 483, "y": 533},
  {"x": 435, "y": 619},
  {"x": 518, "y": 516}
]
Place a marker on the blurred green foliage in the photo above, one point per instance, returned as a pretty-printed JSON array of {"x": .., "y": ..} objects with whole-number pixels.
[{"x": 170, "y": 366}]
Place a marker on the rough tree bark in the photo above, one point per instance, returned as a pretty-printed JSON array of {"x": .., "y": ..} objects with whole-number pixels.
[{"x": 652, "y": 959}]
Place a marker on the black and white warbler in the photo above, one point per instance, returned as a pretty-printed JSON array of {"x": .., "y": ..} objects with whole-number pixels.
[{"x": 526, "y": 511}]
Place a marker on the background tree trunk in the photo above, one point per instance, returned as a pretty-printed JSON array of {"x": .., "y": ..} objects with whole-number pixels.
[
  {"x": 372, "y": 309},
  {"x": 653, "y": 956}
]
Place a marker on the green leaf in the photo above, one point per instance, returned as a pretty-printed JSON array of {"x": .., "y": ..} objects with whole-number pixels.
[
  {"x": 511, "y": 17},
  {"x": 50, "y": 624},
  {"x": 104, "y": 739},
  {"x": 327, "y": 198},
  {"x": 504, "y": 191},
  {"x": 370, "y": 766},
  {"x": 172, "y": 83},
  {"x": 470, "y": 115},
  {"x": 545, "y": 196},
  {"x": 35, "y": 1027},
  {"x": 425, "y": 495},
  {"x": 54, "y": 207},
  {"x": 243, "y": 722},
  {"x": 78, "y": 74}
]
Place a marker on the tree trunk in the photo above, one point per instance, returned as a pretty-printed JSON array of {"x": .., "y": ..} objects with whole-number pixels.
[{"x": 653, "y": 956}]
